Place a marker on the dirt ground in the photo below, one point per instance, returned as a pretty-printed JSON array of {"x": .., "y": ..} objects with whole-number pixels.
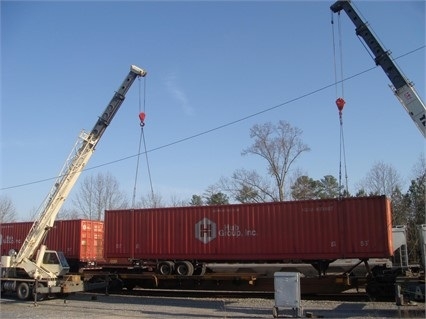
[{"x": 101, "y": 306}]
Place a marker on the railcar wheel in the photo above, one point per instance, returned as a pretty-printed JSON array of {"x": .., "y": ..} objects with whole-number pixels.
[
  {"x": 23, "y": 291},
  {"x": 115, "y": 284},
  {"x": 185, "y": 268},
  {"x": 129, "y": 285},
  {"x": 200, "y": 270},
  {"x": 166, "y": 267}
]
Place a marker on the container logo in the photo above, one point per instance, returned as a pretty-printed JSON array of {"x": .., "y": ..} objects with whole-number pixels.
[{"x": 205, "y": 230}]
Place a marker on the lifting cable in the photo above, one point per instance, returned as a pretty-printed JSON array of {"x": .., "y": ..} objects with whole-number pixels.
[
  {"x": 142, "y": 138},
  {"x": 340, "y": 102}
]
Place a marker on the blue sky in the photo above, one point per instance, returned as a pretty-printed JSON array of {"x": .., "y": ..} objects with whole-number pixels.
[{"x": 209, "y": 64}]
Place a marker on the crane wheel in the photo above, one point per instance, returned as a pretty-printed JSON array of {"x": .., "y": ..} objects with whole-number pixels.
[{"x": 23, "y": 291}]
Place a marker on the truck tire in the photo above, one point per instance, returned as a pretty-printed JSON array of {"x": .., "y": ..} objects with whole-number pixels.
[{"x": 23, "y": 291}]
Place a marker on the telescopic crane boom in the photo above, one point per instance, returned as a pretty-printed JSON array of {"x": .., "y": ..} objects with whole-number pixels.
[
  {"x": 402, "y": 87},
  {"x": 72, "y": 169}
]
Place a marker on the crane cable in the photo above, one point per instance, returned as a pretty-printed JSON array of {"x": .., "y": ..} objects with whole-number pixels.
[
  {"x": 340, "y": 102},
  {"x": 142, "y": 139}
]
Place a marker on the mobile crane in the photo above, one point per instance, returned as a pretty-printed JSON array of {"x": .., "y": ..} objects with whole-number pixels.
[
  {"x": 401, "y": 86},
  {"x": 34, "y": 270},
  {"x": 383, "y": 280}
]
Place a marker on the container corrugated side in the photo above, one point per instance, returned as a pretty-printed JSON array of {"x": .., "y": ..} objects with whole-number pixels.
[
  {"x": 276, "y": 231},
  {"x": 279, "y": 231},
  {"x": 80, "y": 240},
  {"x": 367, "y": 227},
  {"x": 13, "y": 236},
  {"x": 119, "y": 235}
]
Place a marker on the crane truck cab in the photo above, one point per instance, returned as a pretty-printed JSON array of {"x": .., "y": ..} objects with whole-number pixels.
[
  {"x": 52, "y": 262},
  {"x": 55, "y": 262}
]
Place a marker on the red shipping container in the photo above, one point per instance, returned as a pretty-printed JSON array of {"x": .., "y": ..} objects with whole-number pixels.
[
  {"x": 13, "y": 236},
  {"x": 80, "y": 240},
  {"x": 278, "y": 231}
]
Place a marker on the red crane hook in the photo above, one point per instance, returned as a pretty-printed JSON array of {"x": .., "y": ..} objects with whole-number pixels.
[
  {"x": 142, "y": 118},
  {"x": 340, "y": 102}
]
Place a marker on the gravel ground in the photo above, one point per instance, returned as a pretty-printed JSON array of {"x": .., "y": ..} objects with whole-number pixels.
[{"x": 105, "y": 307}]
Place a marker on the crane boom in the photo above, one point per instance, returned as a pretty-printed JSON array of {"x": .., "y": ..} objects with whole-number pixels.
[
  {"x": 402, "y": 87},
  {"x": 80, "y": 155}
]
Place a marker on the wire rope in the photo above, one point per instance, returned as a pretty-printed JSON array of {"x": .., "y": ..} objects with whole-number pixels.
[
  {"x": 141, "y": 139},
  {"x": 334, "y": 53},
  {"x": 139, "y": 150},
  {"x": 340, "y": 102}
]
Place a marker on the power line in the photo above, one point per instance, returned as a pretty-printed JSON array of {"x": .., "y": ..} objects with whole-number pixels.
[{"x": 220, "y": 126}]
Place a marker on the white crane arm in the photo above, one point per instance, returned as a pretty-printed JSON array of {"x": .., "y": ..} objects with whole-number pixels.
[{"x": 80, "y": 155}]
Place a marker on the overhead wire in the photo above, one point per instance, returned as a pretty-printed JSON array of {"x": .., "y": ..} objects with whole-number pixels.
[{"x": 300, "y": 97}]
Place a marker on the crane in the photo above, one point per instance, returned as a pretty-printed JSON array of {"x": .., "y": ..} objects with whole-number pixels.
[
  {"x": 42, "y": 267},
  {"x": 401, "y": 86}
]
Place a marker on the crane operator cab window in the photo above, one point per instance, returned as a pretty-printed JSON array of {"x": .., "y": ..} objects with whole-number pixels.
[
  {"x": 50, "y": 258},
  {"x": 55, "y": 262}
]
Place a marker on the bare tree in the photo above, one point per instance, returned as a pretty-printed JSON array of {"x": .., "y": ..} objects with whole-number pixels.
[
  {"x": 280, "y": 145},
  {"x": 67, "y": 214},
  {"x": 151, "y": 200},
  {"x": 98, "y": 193},
  {"x": 419, "y": 169},
  {"x": 176, "y": 201},
  {"x": 7, "y": 210},
  {"x": 382, "y": 179},
  {"x": 248, "y": 187}
]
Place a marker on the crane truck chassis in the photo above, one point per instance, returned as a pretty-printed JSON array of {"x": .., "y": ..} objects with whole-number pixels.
[{"x": 34, "y": 270}]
